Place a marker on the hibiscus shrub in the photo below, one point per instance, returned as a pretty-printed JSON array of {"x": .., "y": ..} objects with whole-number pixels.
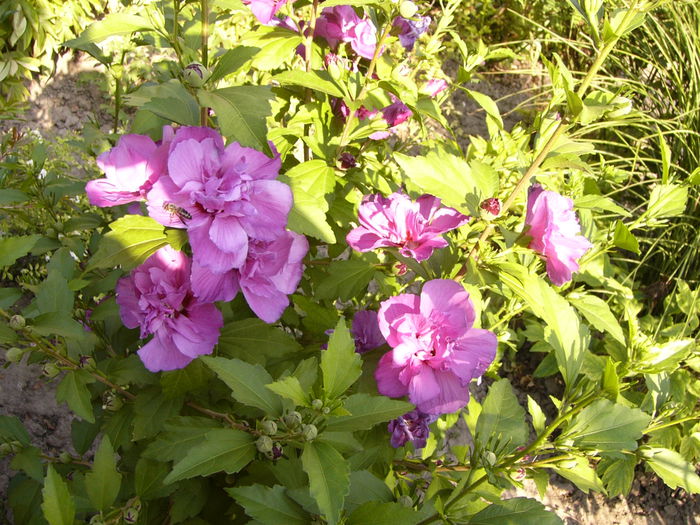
[{"x": 290, "y": 277}]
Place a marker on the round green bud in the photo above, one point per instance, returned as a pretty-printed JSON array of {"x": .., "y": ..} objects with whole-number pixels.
[
  {"x": 65, "y": 457},
  {"x": 5, "y": 449},
  {"x": 310, "y": 432},
  {"x": 293, "y": 419},
  {"x": 14, "y": 354},
  {"x": 15, "y": 446},
  {"x": 264, "y": 444},
  {"x": 196, "y": 75},
  {"x": 112, "y": 402},
  {"x": 96, "y": 520},
  {"x": 405, "y": 501},
  {"x": 317, "y": 404},
  {"x": 17, "y": 322},
  {"x": 87, "y": 362},
  {"x": 326, "y": 410},
  {"x": 490, "y": 458},
  {"x": 50, "y": 370},
  {"x": 269, "y": 427},
  {"x": 408, "y": 9}
]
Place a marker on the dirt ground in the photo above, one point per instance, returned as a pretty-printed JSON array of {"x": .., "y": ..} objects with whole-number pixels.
[{"x": 63, "y": 104}]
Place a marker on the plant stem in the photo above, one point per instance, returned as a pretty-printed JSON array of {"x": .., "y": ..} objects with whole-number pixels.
[
  {"x": 308, "y": 52},
  {"x": 204, "y": 7}
]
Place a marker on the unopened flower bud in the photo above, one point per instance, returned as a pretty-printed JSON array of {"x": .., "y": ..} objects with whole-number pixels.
[
  {"x": 277, "y": 451},
  {"x": 131, "y": 515},
  {"x": 65, "y": 457},
  {"x": 17, "y": 322},
  {"x": 408, "y": 9},
  {"x": 405, "y": 501},
  {"x": 87, "y": 362},
  {"x": 326, "y": 410},
  {"x": 269, "y": 427},
  {"x": 5, "y": 449},
  {"x": 97, "y": 520},
  {"x": 492, "y": 207},
  {"x": 519, "y": 474},
  {"x": 14, "y": 354},
  {"x": 111, "y": 402},
  {"x": 346, "y": 161},
  {"x": 333, "y": 66},
  {"x": 196, "y": 75},
  {"x": 490, "y": 458},
  {"x": 50, "y": 370},
  {"x": 293, "y": 419},
  {"x": 264, "y": 444},
  {"x": 310, "y": 432},
  {"x": 317, "y": 404}
]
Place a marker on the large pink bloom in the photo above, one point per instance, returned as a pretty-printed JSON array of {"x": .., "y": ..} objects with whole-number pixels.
[
  {"x": 228, "y": 195},
  {"x": 271, "y": 272},
  {"x": 130, "y": 168},
  {"x": 158, "y": 298},
  {"x": 436, "y": 352},
  {"x": 555, "y": 231},
  {"x": 341, "y": 24},
  {"x": 415, "y": 228},
  {"x": 265, "y": 10}
]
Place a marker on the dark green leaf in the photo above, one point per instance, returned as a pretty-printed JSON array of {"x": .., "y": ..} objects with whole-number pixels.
[
  {"x": 232, "y": 61},
  {"x": 151, "y": 410},
  {"x": 346, "y": 279},
  {"x": 73, "y": 390},
  {"x": 254, "y": 340},
  {"x": 329, "y": 478},
  {"x": 180, "y": 434},
  {"x": 340, "y": 364},
  {"x": 515, "y": 511},
  {"x": 148, "y": 479},
  {"x": 12, "y": 248},
  {"x": 11, "y": 429},
  {"x": 617, "y": 474},
  {"x": 179, "y": 382},
  {"x": 58, "y": 505},
  {"x": 378, "y": 513},
  {"x": 29, "y": 460},
  {"x": 270, "y": 505},
  {"x": 169, "y": 101},
  {"x": 502, "y": 420},
  {"x": 103, "y": 481},
  {"x": 366, "y": 411},
  {"x": 10, "y": 196}
]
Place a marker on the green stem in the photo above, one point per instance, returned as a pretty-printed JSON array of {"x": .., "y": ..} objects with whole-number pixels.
[
  {"x": 308, "y": 54},
  {"x": 204, "y": 7}
]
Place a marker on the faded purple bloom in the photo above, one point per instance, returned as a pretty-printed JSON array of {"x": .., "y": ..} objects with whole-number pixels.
[
  {"x": 223, "y": 196},
  {"x": 396, "y": 113},
  {"x": 413, "y": 427},
  {"x": 555, "y": 230},
  {"x": 436, "y": 352},
  {"x": 347, "y": 161},
  {"x": 415, "y": 228},
  {"x": 272, "y": 271},
  {"x": 434, "y": 87},
  {"x": 411, "y": 30},
  {"x": 341, "y": 24},
  {"x": 365, "y": 330},
  {"x": 158, "y": 298},
  {"x": 131, "y": 168},
  {"x": 265, "y": 10},
  {"x": 492, "y": 205}
]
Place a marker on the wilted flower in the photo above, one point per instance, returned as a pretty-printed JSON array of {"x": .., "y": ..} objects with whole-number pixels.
[
  {"x": 265, "y": 10},
  {"x": 413, "y": 427},
  {"x": 271, "y": 271},
  {"x": 157, "y": 297},
  {"x": 131, "y": 168},
  {"x": 223, "y": 196},
  {"x": 347, "y": 161},
  {"x": 410, "y": 30},
  {"x": 491, "y": 205},
  {"x": 436, "y": 352},
  {"x": 415, "y": 228},
  {"x": 365, "y": 330},
  {"x": 554, "y": 230}
]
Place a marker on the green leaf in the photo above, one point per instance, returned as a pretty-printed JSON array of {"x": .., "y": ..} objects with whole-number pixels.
[
  {"x": 276, "y": 46},
  {"x": 169, "y": 101},
  {"x": 314, "y": 177},
  {"x": 538, "y": 418},
  {"x": 597, "y": 312},
  {"x": 151, "y": 410},
  {"x": 9, "y": 296},
  {"x": 365, "y": 487},
  {"x": 73, "y": 390},
  {"x": 366, "y": 411},
  {"x": 179, "y": 382},
  {"x": 316, "y": 80},
  {"x": 666, "y": 200},
  {"x": 103, "y": 481},
  {"x": 346, "y": 279},
  {"x": 113, "y": 24},
  {"x": 607, "y": 427},
  {"x": 132, "y": 240},
  {"x": 247, "y": 383},
  {"x": 58, "y": 505},
  {"x": 308, "y": 216},
  {"x": 180, "y": 434},
  {"x": 290, "y": 388},
  {"x": 329, "y": 478},
  {"x": 515, "y": 511},
  {"x": 580, "y": 473},
  {"x": 617, "y": 474},
  {"x": 378, "y": 513},
  {"x": 270, "y": 505},
  {"x": 29, "y": 460},
  {"x": 12, "y": 429},
  {"x": 502, "y": 420},
  {"x": 241, "y": 112},
  {"x": 24, "y": 498},
  {"x": 223, "y": 449},
  {"x": 673, "y": 469},
  {"x": 54, "y": 296},
  {"x": 488, "y": 104},
  {"x": 623, "y": 238},
  {"x": 599, "y": 202},
  {"x": 148, "y": 479},
  {"x": 12, "y": 248},
  {"x": 254, "y": 340},
  {"x": 341, "y": 366},
  {"x": 10, "y": 196},
  {"x": 231, "y": 61},
  {"x": 664, "y": 357}
]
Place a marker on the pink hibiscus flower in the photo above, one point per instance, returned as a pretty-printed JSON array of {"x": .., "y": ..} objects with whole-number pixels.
[
  {"x": 436, "y": 352},
  {"x": 415, "y": 228},
  {"x": 555, "y": 230},
  {"x": 157, "y": 297}
]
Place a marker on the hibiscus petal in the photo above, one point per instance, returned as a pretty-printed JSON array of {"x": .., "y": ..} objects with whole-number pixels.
[
  {"x": 103, "y": 193},
  {"x": 437, "y": 391},
  {"x": 208, "y": 286},
  {"x": 472, "y": 354},
  {"x": 271, "y": 200},
  {"x": 208, "y": 255},
  {"x": 387, "y": 377},
  {"x": 267, "y": 303},
  {"x": 228, "y": 235},
  {"x": 451, "y": 300},
  {"x": 160, "y": 354},
  {"x": 391, "y": 311}
]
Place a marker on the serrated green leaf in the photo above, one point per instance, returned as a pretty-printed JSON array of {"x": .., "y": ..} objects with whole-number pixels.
[
  {"x": 366, "y": 487},
  {"x": 315, "y": 177},
  {"x": 308, "y": 216},
  {"x": 241, "y": 112},
  {"x": 231, "y": 61},
  {"x": 179, "y": 435},
  {"x": 597, "y": 312},
  {"x": 270, "y": 505},
  {"x": 58, "y": 505},
  {"x": 502, "y": 420},
  {"x": 617, "y": 474},
  {"x": 151, "y": 410},
  {"x": 223, "y": 449},
  {"x": 148, "y": 479},
  {"x": 290, "y": 388},
  {"x": 178, "y": 382},
  {"x": 103, "y": 481},
  {"x": 247, "y": 383},
  {"x": 538, "y": 417},
  {"x": 366, "y": 411},
  {"x": 254, "y": 340},
  {"x": 132, "y": 240},
  {"x": 29, "y": 460},
  {"x": 12, "y": 429},
  {"x": 673, "y": 469},
  {"x": 329, "y": 478},
  {"x": 276, "y": 46},
  {"x": 580, "y": 473},
  {"x": 73, "y": 390},
  {"x": 346, "y": 279},
  {"x": 316, "y": 80},
  {"x": 515, "y": 511},
  {"x": 12, "y": 248},
  {"x": 341, "y": 366},
  {"x": 169, "y": 100},
  {"x": 666, "y": 200},
  {"x": 378, "y": 513}
]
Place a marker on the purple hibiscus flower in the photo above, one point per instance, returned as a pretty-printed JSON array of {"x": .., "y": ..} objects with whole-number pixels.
[
  {"x": 555, "y": 230},
  {"x": 341, "y": 24},
  {"x": 415, "y": 228},
  {"x": 222, "y": 195},
  {"x": 413, "y": 427},
  {"x": 272, "y": 271},
  {"x": 365, "y": 330},
  {"x": 265, "y": 10},
  {"x": 410, "y": 30},
  {"x": 130, "y": 168},
  {"x": 157, "y": 297},
  {"x": 436, "y": 351}
]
